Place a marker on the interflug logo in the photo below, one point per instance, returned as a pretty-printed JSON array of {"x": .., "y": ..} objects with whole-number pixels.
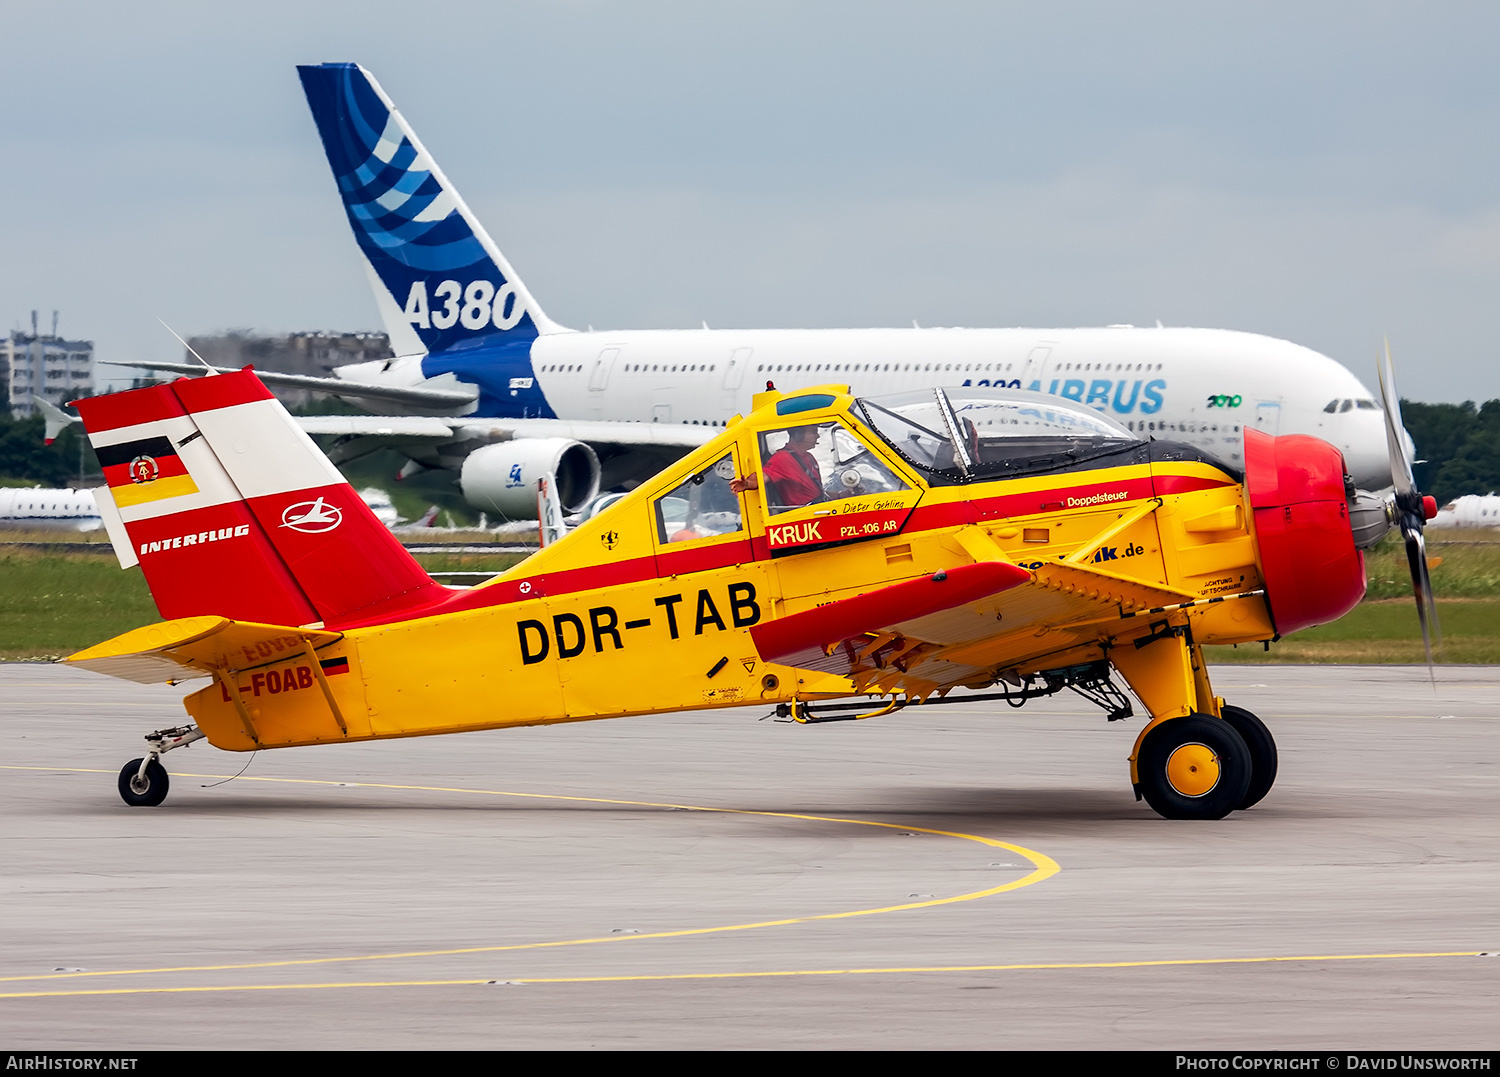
[{"x": 312, "y": 517}]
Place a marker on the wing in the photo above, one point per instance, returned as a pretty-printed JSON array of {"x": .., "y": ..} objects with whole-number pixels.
[
  {"x": 955, "y": 627},
  {"x": 438, "y": 430}
]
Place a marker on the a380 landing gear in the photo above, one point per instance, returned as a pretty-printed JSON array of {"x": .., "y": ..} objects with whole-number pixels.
[{"x": 144, "y": 782}]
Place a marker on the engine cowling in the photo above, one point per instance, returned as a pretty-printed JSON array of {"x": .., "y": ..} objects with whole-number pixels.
[
  {"x": 502, "y": 478},
  {"x": 1312, "y": 570}
]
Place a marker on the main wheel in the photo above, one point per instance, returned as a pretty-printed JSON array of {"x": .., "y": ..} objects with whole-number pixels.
[
  {"x": 1262, "y": 753},
  {"x": 1193, "y": 767},
  {"x": 147, "y": 791}
]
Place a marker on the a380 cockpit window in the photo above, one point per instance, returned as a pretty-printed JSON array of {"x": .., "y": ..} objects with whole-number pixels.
[
  {"x": 702, "y": 506},
  {"x": 817, "y": 462},
  {"x": 978, "y": 433}
]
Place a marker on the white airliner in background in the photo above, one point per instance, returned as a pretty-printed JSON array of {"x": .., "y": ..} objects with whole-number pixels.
[
  {"x": 1470, "y": 510},
  {"x": 505, "y": 396},
  {"x": 36, "y": 508}
]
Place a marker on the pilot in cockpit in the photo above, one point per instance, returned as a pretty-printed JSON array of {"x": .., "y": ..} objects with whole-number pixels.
[{"x": 792, "y": 473}]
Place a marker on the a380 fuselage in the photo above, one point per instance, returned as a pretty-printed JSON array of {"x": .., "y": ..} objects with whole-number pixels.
[{"x": 1199, "y": 386}]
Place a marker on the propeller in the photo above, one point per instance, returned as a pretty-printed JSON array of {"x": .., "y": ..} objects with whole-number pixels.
[{"x": 1410, "y": 508}]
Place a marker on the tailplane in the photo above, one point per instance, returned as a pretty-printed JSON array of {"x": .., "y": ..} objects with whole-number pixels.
[{"x": 231, "y": 510}]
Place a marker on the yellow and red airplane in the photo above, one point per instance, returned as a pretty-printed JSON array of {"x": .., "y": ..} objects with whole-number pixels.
[{"x": 823, "y": 546}]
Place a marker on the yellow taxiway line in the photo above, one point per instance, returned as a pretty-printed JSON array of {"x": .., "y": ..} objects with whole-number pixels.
[
  {"x": 898, "y": 970},
  {"x": 1043, "y": 867}
]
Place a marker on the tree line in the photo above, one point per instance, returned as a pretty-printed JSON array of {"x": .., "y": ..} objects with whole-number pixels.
[
  {"x": 26, "y": 460},
  {"x": 1458, "y": 447}
]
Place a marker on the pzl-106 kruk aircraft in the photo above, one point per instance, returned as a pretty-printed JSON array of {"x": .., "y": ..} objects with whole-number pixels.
[{"x": 822, "y": 547}]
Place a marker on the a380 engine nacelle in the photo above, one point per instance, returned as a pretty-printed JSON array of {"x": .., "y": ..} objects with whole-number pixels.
[
  {"x": 502, "y": 478},
  {"x": 1313, "y": 571}
]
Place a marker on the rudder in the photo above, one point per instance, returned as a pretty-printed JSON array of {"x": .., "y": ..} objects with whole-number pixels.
[{"x": 232, "y": 510}]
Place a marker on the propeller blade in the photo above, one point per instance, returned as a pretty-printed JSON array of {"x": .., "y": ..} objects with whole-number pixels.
[
  {"x": 1409, "y": 513},
  {"x": 1401, "y": 476},
  {"x": 1421, "y": 582}
]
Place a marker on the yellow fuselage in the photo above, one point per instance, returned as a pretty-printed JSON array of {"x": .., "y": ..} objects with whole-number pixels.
[{"x": 616, "y": 619}]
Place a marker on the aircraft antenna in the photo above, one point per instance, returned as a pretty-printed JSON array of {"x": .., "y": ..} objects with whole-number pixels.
[{"x": 186, "y": 345}]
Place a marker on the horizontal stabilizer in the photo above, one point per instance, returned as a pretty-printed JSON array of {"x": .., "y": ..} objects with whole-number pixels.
[
  {"x": 419, "y": 427},
  {"x": 197, "y": 647},
  {"x": 393, "y": 394},
  {"x": 55, "y": 419}
]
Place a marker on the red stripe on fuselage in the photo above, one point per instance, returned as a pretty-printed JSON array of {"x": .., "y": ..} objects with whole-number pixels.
[{"x": 679, "y": 562}]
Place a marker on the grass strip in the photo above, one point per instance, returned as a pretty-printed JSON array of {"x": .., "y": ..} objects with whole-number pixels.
[{"x": 53, "y": 604}]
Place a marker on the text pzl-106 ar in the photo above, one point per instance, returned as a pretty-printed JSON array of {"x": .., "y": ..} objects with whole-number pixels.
[{"x": 825, "y": 546}]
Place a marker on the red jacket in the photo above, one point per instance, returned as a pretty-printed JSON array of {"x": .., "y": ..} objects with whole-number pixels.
[{"x": 794, "y": 477}]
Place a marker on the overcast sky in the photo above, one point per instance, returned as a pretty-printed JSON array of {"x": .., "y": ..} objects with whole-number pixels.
[{"x": 1327, "y": 173}]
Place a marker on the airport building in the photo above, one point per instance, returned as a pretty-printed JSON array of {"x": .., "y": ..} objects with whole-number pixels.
[
  {"x": 34, "y": 365},
  {"x": 291, "y": 353}
]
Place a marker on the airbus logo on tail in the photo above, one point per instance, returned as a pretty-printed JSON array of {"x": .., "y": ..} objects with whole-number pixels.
[{"x": 312, "y": 517}]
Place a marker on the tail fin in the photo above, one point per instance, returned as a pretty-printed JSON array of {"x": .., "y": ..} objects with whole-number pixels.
[
  {"x": 439, "y": 279},
  {"x": 55, "y": 419},
  {"x": 231, "y": 509}
]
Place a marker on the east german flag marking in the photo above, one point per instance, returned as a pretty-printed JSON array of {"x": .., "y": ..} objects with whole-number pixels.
[{"x": 146, "y": 470}]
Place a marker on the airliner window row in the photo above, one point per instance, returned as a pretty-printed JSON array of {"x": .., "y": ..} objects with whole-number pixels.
[
  {"x": 956, "y": 367},
  {"x": 1182, "y": 428},
  {"x": 556, "y": 368},
  {"x": 1345, "y": 405},
  {"x": 672, "y": 369},
  {"x": 778, "y": 368}
]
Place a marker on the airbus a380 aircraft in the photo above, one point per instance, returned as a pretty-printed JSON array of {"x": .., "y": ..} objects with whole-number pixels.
[{"x": 507, "y": 396}]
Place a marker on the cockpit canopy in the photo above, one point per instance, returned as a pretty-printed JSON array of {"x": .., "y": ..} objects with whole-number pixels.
[{"x": 972, "y": 434}]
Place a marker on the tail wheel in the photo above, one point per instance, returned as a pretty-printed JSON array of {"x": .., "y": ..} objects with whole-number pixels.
[
  {"x": 1262, "y": 753},
  {"x": 1193, "y": 767},
  {"x": 143, "y": 790}
]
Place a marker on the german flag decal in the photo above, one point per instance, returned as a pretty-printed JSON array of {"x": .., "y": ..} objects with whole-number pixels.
[{"x": 146, "y": 470}]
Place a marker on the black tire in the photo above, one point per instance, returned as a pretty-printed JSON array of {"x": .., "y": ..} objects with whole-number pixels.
[
  {"x": 1193, "y": 767},
  {"x": 1262, "y": 753},
  {"x": 150, "y": 792}
]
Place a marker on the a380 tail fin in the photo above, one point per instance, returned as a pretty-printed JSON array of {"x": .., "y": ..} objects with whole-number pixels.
[
  {"x": 231, "y": 510},
  {"x": 441, "y": 280}
]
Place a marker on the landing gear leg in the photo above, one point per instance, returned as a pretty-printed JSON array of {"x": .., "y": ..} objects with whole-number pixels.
[
  {"x": 143, "y": 782},
  {"x": 1189, "y": 762}
]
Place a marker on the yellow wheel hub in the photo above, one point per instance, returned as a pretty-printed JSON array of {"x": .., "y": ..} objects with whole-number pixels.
[{"x": 1193, "y": 770}]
